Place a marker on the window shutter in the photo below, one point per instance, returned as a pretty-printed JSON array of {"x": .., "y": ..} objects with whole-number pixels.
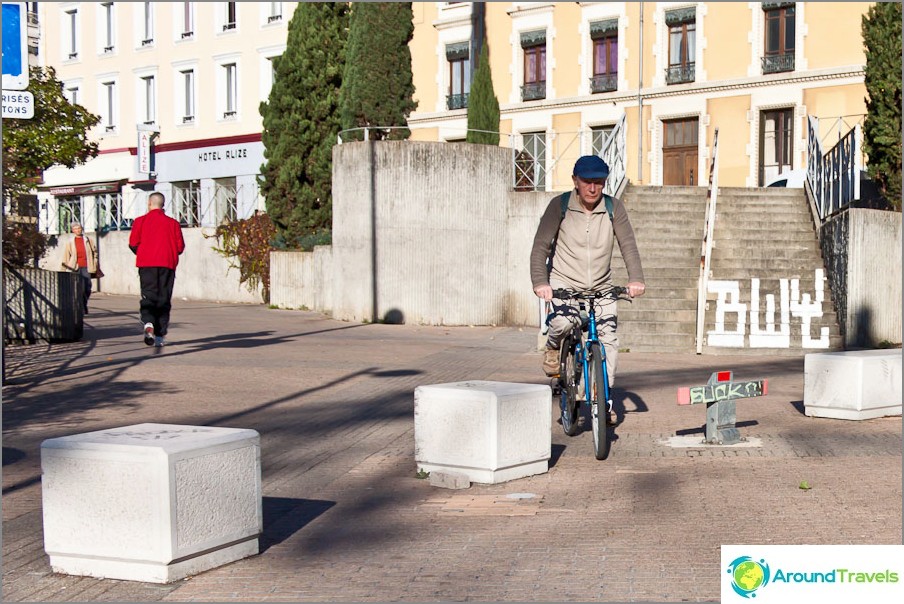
[
  {"x": 457, "y": 51},
  {"x": 682, "y": 15},
  {"x": 533, "y": 38},
  {"x": 601, "y": 29}
]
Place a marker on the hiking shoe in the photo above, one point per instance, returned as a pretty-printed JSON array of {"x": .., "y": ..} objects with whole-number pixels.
[
  {"x": 149, "y": 334},
  {"x": 551, "y": 362},
  {"x": 160, "y": 341}
]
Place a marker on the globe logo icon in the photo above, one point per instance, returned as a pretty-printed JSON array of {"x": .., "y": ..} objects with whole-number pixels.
[{"x": 748, "y": 575}]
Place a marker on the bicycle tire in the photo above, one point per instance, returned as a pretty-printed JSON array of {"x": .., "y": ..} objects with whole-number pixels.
[
  {"x": 568, "y": 400},
  {"x": 599, "y": 408}
]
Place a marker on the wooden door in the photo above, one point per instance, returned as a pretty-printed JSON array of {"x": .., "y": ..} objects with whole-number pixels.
[{"x": 680, "y": 153}]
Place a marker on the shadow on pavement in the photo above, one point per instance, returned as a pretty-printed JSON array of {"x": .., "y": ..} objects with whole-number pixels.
[{"x": 283, "y": 517}]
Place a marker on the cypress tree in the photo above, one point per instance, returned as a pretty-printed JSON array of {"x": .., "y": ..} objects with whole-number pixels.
[
  {"x": 882, "y": 75},
  {"x": 301, "y": 121},
  {"x": 483, "y": 106},
  {"x": 378, "y": 85}
]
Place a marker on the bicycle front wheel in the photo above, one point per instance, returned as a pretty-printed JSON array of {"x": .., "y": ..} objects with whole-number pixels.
[
  {"x": 568, "y": 400},
  {"x": 599, "y": 408}
]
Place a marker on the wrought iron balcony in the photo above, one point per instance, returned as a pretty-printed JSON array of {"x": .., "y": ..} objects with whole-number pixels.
[
  {"x": 679, "y": 74},
  {"x": 778, "y": 63},
  {"x": 606, "y": 82},
  {"x": 534, "y": 91},
  {"x": 456, "y": 101}
]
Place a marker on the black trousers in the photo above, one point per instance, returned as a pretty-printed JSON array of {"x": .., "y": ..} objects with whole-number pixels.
[
  {"x": 86, "y": 292},
  {"x": 156, "y": 294}
]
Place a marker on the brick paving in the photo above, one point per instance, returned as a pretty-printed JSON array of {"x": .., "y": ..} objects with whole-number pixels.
[{"x": 345, "y": 517}]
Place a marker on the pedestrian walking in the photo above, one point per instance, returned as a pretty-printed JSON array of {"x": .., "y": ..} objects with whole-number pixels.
[
  {"x": 80, "y": 255},
  {"x": 156, "y": 240}
]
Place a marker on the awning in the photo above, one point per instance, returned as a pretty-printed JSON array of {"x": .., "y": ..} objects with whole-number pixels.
[{"x": 90, "y": 189}]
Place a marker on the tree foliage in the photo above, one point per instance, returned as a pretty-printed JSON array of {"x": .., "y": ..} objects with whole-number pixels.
[
  {"x": 57, "y": 134},
  {"x": 246, "y": 244},
  {"x": 301, "y": 121},
  {"x": 483, "y": 106},
  {"x": 378, "y": 86},
  {"x": 882, "y": 129}
]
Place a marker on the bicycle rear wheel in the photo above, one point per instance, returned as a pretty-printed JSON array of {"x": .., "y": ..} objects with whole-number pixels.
[
  {"x": 568, "y": 400},
  {"x": 599, "y": 409}
]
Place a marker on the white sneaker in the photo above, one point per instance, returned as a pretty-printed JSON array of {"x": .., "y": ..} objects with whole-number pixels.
[{"x": 149, "y": 334}]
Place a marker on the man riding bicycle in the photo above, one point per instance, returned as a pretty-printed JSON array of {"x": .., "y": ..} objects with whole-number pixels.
[{"x": 574, "y": 251}]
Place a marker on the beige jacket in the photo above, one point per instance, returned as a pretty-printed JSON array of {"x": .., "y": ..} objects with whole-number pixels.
[
  {"x": 70, "y": 260},
  {"x": 583, "y": 254}
]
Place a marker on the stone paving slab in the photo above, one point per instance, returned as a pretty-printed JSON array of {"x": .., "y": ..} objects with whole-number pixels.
[{"x": 346, "y": 518}]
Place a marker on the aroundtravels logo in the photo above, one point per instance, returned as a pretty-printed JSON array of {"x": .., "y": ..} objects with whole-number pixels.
[{"x": 748, "y": 575}]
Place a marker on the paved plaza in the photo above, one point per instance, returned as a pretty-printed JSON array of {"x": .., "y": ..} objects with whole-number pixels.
[{"x": 347, "y": 519}]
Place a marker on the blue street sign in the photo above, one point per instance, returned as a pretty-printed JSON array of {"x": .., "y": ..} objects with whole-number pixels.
[{"x": 15, "y": 46}]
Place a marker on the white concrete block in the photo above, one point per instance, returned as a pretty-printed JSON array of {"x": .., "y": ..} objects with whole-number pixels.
[
  {"x": 490, "y": 431},
  {"x": 857, "y": 384},
  {"x": 151, "y": 502}
]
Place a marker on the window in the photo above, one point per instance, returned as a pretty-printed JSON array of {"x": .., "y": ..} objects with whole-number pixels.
[
  {"x": 599, "y": 136},
  {"x": 776, "y": 142},
  {"x": 682, "y": 26},
  {"x": 71, "y": 94},
  {"x": 459, "y": 75},
  {"x": 230, "y": 16},
  {"x": 108, "y": 25},
  {"x": 188, "y": 96},
  {"x": 109, "y": 207},
  {"x": 108, "y": 105},
  {"x": 779, "y": 42},
  {"x": 69, "y": 210},
  {"x": 530, "y": 163},
  {"x": 72, "y": 22},
  {"x": 225, "y": 200},
  {"x": 148, "y": 29},
  {"x": 605, "y": 56},
  {"x": 187, "y": 202},
  {"x": 533, "y": 45},
  {"x": 231, "y": 98},
  {"x": 149, "y": 106},
  {"x": 187, "y": 20},
  {"x": 275, "y": 12}
]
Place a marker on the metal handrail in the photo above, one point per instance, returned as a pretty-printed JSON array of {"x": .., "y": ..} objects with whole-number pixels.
[
  {"x": 833, "y": 175},
  {"x": 707, "y": 244}
]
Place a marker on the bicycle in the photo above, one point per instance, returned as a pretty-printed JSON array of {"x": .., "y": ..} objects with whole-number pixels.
[{"x": 583, "y": 355}]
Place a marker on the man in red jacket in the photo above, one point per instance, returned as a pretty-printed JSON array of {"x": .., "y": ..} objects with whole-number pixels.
[{"x": 156, "y": 240}]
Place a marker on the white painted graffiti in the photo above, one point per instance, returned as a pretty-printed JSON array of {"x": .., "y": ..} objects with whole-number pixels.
[{"x": 772, "y": 333}]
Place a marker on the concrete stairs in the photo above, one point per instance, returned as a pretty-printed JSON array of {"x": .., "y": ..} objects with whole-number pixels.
[{"x": 764, "y": 234}]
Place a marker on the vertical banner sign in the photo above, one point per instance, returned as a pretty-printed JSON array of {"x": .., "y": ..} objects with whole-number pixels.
[
  {"x": 15, "y": 46},
  {"x": 144, "y": 151}
]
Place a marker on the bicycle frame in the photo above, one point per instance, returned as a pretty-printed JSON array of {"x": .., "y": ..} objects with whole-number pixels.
[{"x": 582, "y": 352}]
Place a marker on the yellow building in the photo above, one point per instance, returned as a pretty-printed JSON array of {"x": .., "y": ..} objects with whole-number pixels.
[
  {"x": 184, "y": 77},
  {"x": 566, "y": 72}
]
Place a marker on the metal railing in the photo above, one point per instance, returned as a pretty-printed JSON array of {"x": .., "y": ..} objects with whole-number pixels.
[
  {"x": 778, "y": 63},
  {"x": 679, "y": 74},
  {"x": 208, "y": 206},
  {"x": 709, "y": 224},
  {"x": 606, "y": 82},
  {"x": 833, "y": 175},
  {"x": 533, "y": 92},
  {"x": 456, "y": 101}
]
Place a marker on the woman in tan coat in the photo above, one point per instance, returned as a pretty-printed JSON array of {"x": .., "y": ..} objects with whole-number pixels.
[{"x": 80, "y": 255}]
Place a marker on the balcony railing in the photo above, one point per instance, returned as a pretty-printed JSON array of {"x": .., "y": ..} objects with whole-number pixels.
[
  {"x": 778, "y": 63},
  {"x": 533, "y": 91},
  {"x": 605, "y": 82},
  {"x": 456, "y": 101},
  {"x": 679, "y": 74}
]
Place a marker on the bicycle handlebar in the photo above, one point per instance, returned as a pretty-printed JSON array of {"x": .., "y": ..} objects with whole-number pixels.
[{"x": 615, "y": 292}]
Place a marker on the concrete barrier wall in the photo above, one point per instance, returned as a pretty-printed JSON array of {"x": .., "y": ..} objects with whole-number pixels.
[
  {"x": 203, "y": 274},
  {"x": 862, "y": 252},
  {"x": 874, "y": 278},
  {"x": 439, "y": 212},
  {"x": 302, "y": 280}
]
